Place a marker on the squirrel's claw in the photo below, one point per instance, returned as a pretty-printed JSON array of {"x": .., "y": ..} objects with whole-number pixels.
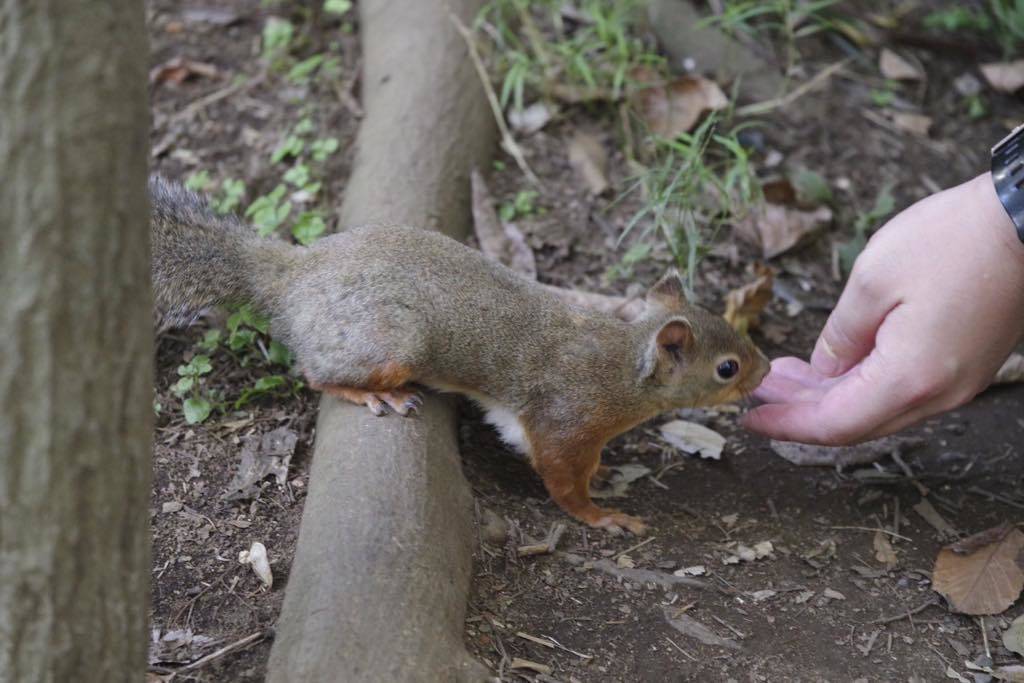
[
  {"x": 616, "y": 522},
  {"x": 402, "y": 402},
  {"x": 375, "y": 405}
]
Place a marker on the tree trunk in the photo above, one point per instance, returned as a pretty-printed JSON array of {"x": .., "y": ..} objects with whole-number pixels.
[
  {"x": 377, "y": 590},
  {"x": 76, "y": 329}
]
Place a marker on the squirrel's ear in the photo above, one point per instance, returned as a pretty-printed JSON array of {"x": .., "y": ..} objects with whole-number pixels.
[
  {"x": 669, "y": 291},
  {"x": 670, "y": 346}
]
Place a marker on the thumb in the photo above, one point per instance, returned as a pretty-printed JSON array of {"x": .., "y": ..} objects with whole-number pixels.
[{"x": 849, "y": 333}]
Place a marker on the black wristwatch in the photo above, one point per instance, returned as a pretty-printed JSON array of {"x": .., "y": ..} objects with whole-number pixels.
[{"x": 1008, "y": 176}]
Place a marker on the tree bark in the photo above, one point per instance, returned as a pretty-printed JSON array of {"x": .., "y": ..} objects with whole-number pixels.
[
  {"x": 75, "y": 327},
  {"x": 378, "y": 586}
]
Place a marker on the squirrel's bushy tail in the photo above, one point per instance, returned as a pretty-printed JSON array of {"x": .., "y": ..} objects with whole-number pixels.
[{"x": 201, "y": 259}]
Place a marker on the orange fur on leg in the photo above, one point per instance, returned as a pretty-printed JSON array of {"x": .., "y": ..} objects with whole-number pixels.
[
  {"x": 385, "y": 386},
  {"x": 567, "y": 470}
]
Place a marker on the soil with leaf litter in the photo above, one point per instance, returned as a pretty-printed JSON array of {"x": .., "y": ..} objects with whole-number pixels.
[{"x": 796, "y": 583}]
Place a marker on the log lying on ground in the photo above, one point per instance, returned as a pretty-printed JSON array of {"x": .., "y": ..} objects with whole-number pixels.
[
  {"x": 681, "y": 30},
  {"x": 378, "y": 586}
]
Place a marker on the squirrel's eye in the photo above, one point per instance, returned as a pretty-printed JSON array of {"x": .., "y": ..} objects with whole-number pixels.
[{"x": 726, "y": 370}]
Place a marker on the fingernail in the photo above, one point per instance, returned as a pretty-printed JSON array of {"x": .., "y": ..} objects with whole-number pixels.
[{"x": 824, "y": 358}]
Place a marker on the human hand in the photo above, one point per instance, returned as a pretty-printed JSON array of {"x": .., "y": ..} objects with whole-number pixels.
[{"x": 934, "y": 305}]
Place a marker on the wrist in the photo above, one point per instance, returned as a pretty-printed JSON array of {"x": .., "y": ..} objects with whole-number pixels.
[{"x": 993, "y": 215}]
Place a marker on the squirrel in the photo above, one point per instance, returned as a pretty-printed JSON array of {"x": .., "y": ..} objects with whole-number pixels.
[{"x": 372, "y": 312}]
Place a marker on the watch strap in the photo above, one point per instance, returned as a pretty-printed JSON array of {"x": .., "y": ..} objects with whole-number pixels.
[{"x": 1008, "y": 176}]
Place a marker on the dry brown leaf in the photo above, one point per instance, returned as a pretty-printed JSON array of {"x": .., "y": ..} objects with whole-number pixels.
[
  {"x": 519, "y": 663},
  {"x": 1004, "y": 76},
  {"x": 1012, "y": 370},
  {"x": 780, "y": 191},
  {"x": 694, "y": 438},
  {"x": 1013, "y": 637},
  {"x": 898, "y": 68},
  {"x": 987, "y": 578},
  {"x": 778, "y": 228},
  {"x": 179, "y": 70},
  {"x": 588, "y": 158},
  {"x": 672, "y": 108},
  {"x": 499, "y": 242},
  {"x": 935, "y": 519},
  {"x": 917, "y": 124},
  {"x": 692, "y": 628},
  {"x": 743, "y": 306},
  {"x": 531, "y": 119},
  {"x": 966, "y": 546},
  {"x": 884, "y": 552},
  {"x": 262, "y": 456}
]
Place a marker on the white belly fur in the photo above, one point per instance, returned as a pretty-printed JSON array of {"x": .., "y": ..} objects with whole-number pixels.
[
  {"x": 497, "y": 415},
  {"x": 507, "y": 424}
]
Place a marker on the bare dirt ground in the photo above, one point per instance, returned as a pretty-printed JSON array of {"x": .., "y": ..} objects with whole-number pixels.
[{"x": 818, "y": 607}]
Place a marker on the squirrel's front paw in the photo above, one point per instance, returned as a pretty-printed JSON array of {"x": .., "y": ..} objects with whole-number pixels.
[{"x": 615, "y": 522}]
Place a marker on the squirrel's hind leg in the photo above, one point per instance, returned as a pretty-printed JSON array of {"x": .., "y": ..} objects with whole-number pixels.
[
  {"x": 567, "y": 471},
  {"x": 402, "y": 401},
  {"x": 384, "y": 387}
]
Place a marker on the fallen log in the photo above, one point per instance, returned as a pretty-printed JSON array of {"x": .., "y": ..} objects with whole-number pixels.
[{"x": 377, "y": 589}]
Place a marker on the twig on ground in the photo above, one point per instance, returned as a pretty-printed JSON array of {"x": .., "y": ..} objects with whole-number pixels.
[
  {"x": 507, "y": 140},
  {"x": 870, "y": 645},
  {"x": 996, "y": 497},
  {"x": 790, "y": 97},
  {"x": 684, "y": 652},
  {"x": 872, "y": 529},
  {"x": 909, "y": 473},
  {"x": 251, "y": 639},
  {"x": 545, "y": 547},
  {"x": 739, "y": 634},
  {"x": 203, "y": 102},
  {"x": 549, "y": 642},
  {"x": 907, "y": 614},
  {"x": 633, "y": 547},
  {"x": 665, "y": 580}
]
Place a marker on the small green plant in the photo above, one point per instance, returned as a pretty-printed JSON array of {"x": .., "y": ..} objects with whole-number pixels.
[
  {"x": 523, "y": 204},
  {"x": 323, "y": 148},
  {"x": 199, "y": 181},
  {"x": 269, "y": 385},
  {"x": 958, "y": 18},
  {"x": 291, "y": 146},
  {"x": 536, "y": 48},
  {"x": 882, "y": 98},
  {"x": 789, "y": 20},
  {"x": 277, "y": 38},
  {"x": 337, "y": 6},
  {"x": 1009, "y": 23},
  {"x": 269, "y": 211},
  {"x": 636, "y": 254},
  {"x": 309, "y": 226},
  {"x": 810, "y": 186},
  {"x": 976, "y": 107},
  {"x": 698, "y": 182},
  {"x": 864, "y": 225},
  {"x": 230, "y": 197},
  {"x": 247, "y": 343},
  {"x": 303, "y": 71},
  {"x": 196, "y": 406},
  {"x": 1002, "y": 20}
]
